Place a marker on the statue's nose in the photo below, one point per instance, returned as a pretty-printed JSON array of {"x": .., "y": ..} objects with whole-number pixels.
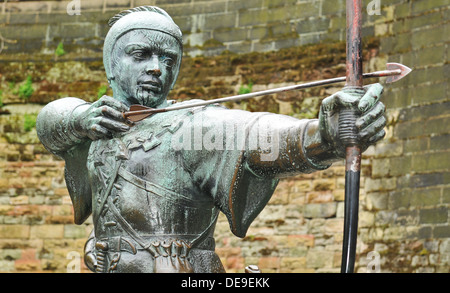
[{"x": 152, "y": 67}]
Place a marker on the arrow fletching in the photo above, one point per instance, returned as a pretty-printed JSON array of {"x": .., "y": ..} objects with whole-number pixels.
[{"x": 139, "y": 112}]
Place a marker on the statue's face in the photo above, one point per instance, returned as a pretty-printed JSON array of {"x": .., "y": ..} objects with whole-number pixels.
[{"x": 145, "y": 64}]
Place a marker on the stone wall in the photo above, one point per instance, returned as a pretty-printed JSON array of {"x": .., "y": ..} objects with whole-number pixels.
[
  {"x": 230, "y": 45},
  {"x": 209, "y": 26}
]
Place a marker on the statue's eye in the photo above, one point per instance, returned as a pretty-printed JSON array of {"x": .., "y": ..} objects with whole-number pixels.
[
  {"x": 138, "y": 54},
  {"x": 167, "y": 61}
]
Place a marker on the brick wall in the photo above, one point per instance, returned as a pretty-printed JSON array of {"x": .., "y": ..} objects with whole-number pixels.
[
  {"x": 410, "y": 169},
  {"x": 229, "y": 44},
  {"x": 209, "y": 27}
]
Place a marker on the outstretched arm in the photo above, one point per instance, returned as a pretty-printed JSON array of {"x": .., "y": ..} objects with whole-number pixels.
[{"x": 305, "y": 146}]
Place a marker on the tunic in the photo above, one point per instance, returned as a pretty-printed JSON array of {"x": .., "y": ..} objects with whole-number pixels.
[{"x": 157, "y": 189}]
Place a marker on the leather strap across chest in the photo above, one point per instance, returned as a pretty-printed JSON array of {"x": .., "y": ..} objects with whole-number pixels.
[{"x": 162, "y": 191}]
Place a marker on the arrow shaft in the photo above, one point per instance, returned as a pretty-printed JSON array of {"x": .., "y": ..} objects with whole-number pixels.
[{"x": 383, "y": 73}]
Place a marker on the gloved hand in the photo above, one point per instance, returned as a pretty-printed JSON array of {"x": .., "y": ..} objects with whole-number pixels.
[
  {"x": 370, "y": 119},
  {"x": 100, "y": 119}
]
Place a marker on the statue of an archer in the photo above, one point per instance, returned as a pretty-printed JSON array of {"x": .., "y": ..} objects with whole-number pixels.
[{"x": 153, "y": 191}]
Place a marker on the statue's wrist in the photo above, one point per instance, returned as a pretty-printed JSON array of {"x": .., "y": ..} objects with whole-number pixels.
[
  {"x": 75, "y": 119},
  {"x": 317, "y": 149}
]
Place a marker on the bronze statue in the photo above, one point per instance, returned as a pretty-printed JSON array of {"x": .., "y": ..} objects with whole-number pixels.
[{"x": 155, "y": 187}]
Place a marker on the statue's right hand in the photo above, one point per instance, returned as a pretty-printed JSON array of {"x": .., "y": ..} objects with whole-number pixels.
[
  {"x": 100, "y": 119},
  {"x": 91, "y": 261}
]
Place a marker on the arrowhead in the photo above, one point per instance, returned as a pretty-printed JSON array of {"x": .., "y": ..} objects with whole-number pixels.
[{"x": 405, "y": 70}]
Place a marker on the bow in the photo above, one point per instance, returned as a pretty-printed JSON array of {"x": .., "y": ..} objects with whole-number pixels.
[{"x": 348, "y": 135}]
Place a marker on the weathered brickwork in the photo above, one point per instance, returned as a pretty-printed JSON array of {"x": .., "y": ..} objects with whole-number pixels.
[{"x": 232, "y": 44}]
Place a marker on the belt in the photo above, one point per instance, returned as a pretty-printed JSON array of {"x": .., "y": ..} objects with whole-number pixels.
[{"x": 162, "y": 243}]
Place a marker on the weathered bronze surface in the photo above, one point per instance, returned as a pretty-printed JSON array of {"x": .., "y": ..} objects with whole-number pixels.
[{"x": 155, "y": 187}]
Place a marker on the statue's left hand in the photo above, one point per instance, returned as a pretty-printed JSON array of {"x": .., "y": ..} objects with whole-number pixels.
[{"x": 369, "y": 123}]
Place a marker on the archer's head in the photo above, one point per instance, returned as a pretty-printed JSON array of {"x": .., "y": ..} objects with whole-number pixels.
[{"x": 142, "y": 55}]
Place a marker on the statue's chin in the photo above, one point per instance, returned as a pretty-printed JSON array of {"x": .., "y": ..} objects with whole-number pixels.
[{"x": 148, "y": 98}]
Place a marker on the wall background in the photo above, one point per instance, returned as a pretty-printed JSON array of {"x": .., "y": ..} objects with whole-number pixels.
[{"x": 230, "y": 45}]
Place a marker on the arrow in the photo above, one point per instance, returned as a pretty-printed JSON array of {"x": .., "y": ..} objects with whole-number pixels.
[{"x": 393, "y": 72}]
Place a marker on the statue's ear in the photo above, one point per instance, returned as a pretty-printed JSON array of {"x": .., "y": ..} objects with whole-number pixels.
[
  {"x": 114, "y": 86},
  {"x": 177, "y": 68}
]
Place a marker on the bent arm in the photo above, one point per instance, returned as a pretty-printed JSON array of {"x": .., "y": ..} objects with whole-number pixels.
[
  {"x": 56, "y": 133},
  {"x": 54, "y": 126},
  {"x": 66, "y": 128}
]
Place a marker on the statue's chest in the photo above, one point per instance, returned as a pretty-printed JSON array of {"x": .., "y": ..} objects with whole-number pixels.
[
  {"x": 150, "y": 185},
  {"x": 144, "y": 151}
]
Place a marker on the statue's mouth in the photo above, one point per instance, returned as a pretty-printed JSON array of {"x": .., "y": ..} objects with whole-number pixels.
[
  {"x": 147, "y": 91},
  {"x": 150, "y": 85}
]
